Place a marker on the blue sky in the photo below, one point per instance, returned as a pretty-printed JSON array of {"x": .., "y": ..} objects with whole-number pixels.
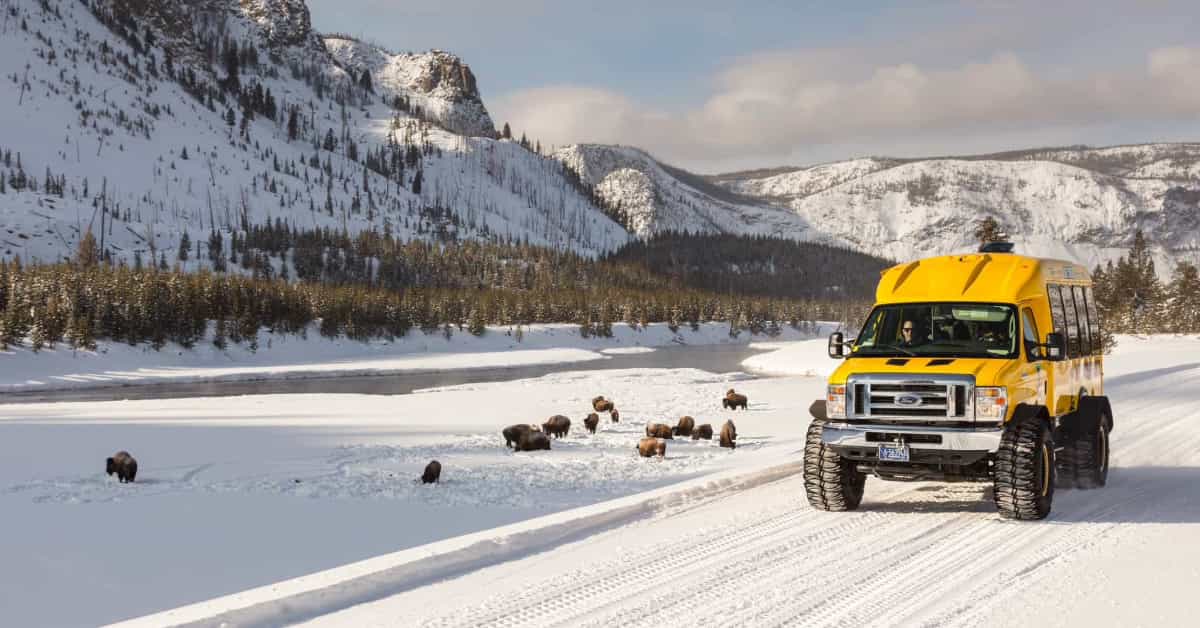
[{"x": 717, "y": 85}]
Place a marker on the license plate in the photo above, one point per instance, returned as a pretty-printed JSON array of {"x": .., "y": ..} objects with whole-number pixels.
[{"x": 893, "y": 453}]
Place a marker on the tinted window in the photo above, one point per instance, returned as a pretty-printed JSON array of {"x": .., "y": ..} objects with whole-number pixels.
[
  {"x": 1058, "y": 319},
  {"x": 1094, "y": 322},
  {"x": 1032, "y": 351},
  {"x": 1085, "y": 332}
]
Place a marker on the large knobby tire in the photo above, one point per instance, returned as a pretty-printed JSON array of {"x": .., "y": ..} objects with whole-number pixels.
[
  {"x": 1025, "y": 469},
  {"x": 1083, "y": 460},
  {"x": 831, "y": 483}
]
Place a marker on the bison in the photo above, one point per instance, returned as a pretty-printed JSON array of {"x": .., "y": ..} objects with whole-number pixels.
[
  {"x": 615, "y": 416},
  {"x": 513, "y": 433},
  {"x": 648, "y": 447},
  {"x": 433, "y": 471},
  {"x": 732, "y": 400},
  {"x": 600, "y": 404},
  {"x": 684, "y": 427},
  {"x": 532, "y": 441},
  {"x": 557, "y": 425},
  {"x": 729, "y": 435},
  {"x": 659, "y": 430},
  {"x": 591, "y": 421},
  {"x": 702, "y": 431},
  {"x": 123, "y": 465}
]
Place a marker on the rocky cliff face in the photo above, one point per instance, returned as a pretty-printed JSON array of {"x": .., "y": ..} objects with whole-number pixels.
[
  {"x": 283, "y": 22},
  {"x": 436, "y": 81}
]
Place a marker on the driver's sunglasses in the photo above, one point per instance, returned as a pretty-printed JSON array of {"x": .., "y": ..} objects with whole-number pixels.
[{"x": 908, "y": 329}]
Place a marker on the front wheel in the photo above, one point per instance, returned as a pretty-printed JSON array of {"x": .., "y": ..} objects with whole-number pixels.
[
  {"x": 1025, "y": 469},
  {"x": 830, "y": 482}
]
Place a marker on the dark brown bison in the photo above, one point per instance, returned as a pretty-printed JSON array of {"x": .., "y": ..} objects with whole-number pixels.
[
  {"x": 557, "y": 425},
  {"x": 616, "y": 416},
  {"x": 123, "y": 465},
  {"x": 732, "y": 400},
  {"x": 513, "y": 433},
  {"x": 600, "y": 404},
  {"x": 433, "y": 471},
  {"x": 532, "y": 441},
  {"x": 702, "y": 431},
  {"x": 591, "y": 421},
  {"x": 729, "y": 435},
  {"x": 684, "y": 427},
  {"x": 648, "y": 447},
  {"x": 659, "y": 430}
]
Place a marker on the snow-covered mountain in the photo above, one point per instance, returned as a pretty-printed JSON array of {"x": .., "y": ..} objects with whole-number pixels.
[
  {"x": 1079, "y": 203},
  {"x": 658, "y": 198},
  {"x": 144, "y": 120}
]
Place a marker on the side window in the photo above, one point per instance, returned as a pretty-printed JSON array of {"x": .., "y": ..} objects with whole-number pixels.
[
  {"x": 1085, "y": 330},
  {"x": 1058, "y": 319},
  {"x": 1032, "y": 351},
  {"x": 1071, "y": 321},
  {"x": 1094, "y": 322}
]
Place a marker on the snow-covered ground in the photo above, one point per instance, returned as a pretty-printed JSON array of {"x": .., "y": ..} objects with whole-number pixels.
[
  {"x": 241, "y": 492},
  {"x": 238, "y": 492},
  {"x": 295, "y": 357}
]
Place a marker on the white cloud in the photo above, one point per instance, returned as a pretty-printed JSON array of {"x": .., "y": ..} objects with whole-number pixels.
[{"x": 768, "y": 106}]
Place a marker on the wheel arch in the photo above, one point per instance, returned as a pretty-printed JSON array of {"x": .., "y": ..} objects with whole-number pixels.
[{"x": 1026, "y": 411}]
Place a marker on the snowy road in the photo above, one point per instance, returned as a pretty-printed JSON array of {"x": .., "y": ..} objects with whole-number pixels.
[{"x": 915, "y": 554}]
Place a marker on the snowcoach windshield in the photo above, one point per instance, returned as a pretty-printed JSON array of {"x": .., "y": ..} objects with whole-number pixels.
[{"x": 958, "y": 330}]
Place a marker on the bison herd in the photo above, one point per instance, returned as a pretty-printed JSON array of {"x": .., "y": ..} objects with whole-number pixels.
[{"x": 531, "y": 437}]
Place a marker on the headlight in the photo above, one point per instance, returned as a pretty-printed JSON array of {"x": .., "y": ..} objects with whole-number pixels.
[
  {"x": 991, "y": 402},
  {"x": 835, "y": 402}
]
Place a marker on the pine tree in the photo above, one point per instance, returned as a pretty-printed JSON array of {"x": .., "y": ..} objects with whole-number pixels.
[
  {"x": 476, "y": 323},
  {"x": 293, "y": 125},
  {"x": 506, "y": 133},
  {"x": 87, "y": 254},
  {"x": 185, "y": 245},
  {"x": 1184, "y": 309}
]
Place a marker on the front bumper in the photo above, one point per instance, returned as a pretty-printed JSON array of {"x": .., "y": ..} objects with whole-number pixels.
[{"x": 920, "y": 438}]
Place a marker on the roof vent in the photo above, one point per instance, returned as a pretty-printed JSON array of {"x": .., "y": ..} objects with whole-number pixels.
[{"x": 996, "y": 247}]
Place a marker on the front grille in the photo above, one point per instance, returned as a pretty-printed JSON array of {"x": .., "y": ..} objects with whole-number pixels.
[
  {"x": 939, "y": 399},
  {"x": 891, "y": 437}
]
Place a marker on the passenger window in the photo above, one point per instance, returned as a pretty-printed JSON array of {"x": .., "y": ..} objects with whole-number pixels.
[
  {"x": 1058, "y": 320},
  {"x": 1094, "y": 322},
  {"x": 1033, "y": 352},
  {"x": 1085, "y": 332},
  {"x": 1072, "y": 322}
]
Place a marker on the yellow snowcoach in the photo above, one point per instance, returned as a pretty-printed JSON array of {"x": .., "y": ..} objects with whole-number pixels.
[{"x": 984, "y": 367}]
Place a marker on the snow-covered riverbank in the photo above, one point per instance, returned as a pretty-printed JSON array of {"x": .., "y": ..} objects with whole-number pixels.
[{"x": 295, "y": 357}]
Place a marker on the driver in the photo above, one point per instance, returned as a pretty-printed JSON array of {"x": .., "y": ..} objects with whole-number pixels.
[
  {"x": 994, "y": 335},
  {"x": 908, "y": 334}
]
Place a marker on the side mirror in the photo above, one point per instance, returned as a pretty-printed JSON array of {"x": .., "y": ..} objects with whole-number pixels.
[
  {"x": 1056, "y": 347},
  {"x": 836, "y": 345}
]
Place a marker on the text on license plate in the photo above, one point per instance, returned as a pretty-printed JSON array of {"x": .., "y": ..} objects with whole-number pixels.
[{"x": 893, "y": 453}]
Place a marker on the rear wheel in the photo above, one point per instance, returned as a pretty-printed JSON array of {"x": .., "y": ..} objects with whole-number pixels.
[
  {"x": 1083, "y": 461},
  {"x": 831, "y": 483},
  {"x": 1025, "y": 466}
]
